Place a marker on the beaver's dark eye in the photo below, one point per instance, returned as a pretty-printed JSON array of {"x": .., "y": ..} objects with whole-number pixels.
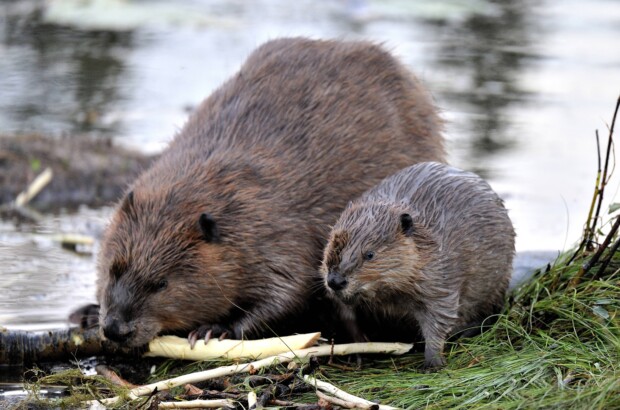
[
  {"x": 161, "y": 285},
  {"x": 369, "y": 255}
]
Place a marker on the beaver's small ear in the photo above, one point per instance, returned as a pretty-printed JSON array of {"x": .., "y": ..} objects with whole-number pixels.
[
  {"x": 127, "y": 204},
  {"x": 208, "y": 226},
  {"x": 406, "y": 224}
]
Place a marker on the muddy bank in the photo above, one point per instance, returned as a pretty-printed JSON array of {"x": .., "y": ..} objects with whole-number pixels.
[{"x": 87, "y": 171}]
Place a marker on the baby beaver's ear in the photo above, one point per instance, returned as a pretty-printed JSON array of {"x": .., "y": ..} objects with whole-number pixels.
[
  {"x": 422, "y": 237},
  {"x": 406, "y": 224},
  {"x": 208, "y": 228},
  {"x": 127, "y": 204}
]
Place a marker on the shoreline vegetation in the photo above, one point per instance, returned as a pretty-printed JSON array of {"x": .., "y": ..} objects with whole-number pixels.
[{"x": 556, "y": 345}]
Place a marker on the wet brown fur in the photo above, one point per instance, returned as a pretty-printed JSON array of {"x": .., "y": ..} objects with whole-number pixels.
[
  {"x": 445, "y": 275},
  {"x": 273, "y": 156}
]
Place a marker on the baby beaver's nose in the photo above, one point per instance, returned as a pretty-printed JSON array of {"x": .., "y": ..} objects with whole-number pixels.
[
  {"x": 336, "y": 281},
  {"x": 116, "y": 330}
]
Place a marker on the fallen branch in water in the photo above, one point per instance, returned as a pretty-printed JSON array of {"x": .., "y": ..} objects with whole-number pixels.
[
  {"x": 34, "y": 188},
  {"x": 19, "y": 205},
  {"x": 324, "y": 350}
]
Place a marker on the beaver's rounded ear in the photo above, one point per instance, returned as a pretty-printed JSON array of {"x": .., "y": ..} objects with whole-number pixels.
[
  {"x": 208, "y": 227},
  {"x": 406, "y": 224},
  {"x": 127, "y": 204}
]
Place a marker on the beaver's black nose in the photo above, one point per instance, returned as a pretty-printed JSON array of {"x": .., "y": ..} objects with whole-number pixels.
[
  {"x": 335, "y": 280},
  {"x": 116, "y": 330}
]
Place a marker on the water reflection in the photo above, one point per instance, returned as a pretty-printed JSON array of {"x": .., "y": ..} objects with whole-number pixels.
[
  {"x": 58, "y": 79},
  {"x": 488, "y": 52},
  {"x": 522, "y": 83},
  {"x": 41, "y": 282}
]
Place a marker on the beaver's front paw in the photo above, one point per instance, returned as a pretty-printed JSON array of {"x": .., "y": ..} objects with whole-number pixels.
[
  {"x": 207, "y": 332},
  {"x": 86, "y": 316},
  {"x": 432, "y": 364}
]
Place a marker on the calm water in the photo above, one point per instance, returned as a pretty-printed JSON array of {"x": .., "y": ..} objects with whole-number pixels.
[{"x": 522, "y": 85}]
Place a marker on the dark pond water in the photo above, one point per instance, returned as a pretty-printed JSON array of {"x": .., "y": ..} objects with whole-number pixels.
[{"x": 522, "y": 84}]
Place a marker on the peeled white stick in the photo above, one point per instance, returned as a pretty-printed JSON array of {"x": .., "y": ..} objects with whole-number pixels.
[
  {"x": 324, "y": 350},
  {"x": 197, "y": 404},
  {"x": 74, "y": 239},
  {"x": 174, "y": 347},
  {"x": 343, "y": 395},
  {"x": 34, "y": 188},
  {"x": 252, "y": 400},
  {"x": 337, "y": 401}
]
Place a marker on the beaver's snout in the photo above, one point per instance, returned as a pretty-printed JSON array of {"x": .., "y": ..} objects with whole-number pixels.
[
  {"x": 117, "y": 330},
  {"x": 336, "y": 281}
]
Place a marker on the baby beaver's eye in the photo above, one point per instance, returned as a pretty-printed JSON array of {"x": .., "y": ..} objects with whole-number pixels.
[
  {"x": 161, "y": 285},
  {"x": 369, "y": 255}
]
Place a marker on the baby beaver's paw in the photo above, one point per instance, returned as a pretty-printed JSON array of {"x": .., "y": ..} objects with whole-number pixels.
[
  {"x": 87, "y": 317},
  {"x": 434, "y": 363},
  {"x": 207, "y": 332}
]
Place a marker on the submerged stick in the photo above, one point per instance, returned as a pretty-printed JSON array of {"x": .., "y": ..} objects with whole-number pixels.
[{"x": 324, "y": 350}]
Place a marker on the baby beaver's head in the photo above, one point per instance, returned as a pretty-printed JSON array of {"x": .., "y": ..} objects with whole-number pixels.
[{"x": 375, "y": 250}]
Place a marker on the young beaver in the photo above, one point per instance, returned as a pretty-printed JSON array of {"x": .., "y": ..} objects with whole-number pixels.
[
  {"x": 225, "y": 232},
  {"x": 431, "y": 246}
]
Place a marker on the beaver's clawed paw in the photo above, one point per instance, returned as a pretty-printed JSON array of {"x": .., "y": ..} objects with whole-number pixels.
[
  {"x": 87, "y": 317},
  {"x": 434, "y": 364},
  {"x": 207, "y": 332}
]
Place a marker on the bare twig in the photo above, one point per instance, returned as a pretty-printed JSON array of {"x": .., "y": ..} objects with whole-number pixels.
[
  {"x": 612, "y": 251},
  {"x": 197, "y": 404},
  {"x": 588, "y": 265},
  {"x": 605, "y": 178},
  {"x": 585, "y": 268},
  {"x": 599, "y": 190},
  {"x": 252, "y": 400},
  {"x": 588, "y": 232},
  {"x": 343, "y": 395},
  {"x": 339, "y": 402},
  {"x": 325, "y": 350}
]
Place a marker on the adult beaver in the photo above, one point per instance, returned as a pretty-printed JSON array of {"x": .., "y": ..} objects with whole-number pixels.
[
  {"x": 430, "y": 246},
  {"x": 225, "y": 231}
]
